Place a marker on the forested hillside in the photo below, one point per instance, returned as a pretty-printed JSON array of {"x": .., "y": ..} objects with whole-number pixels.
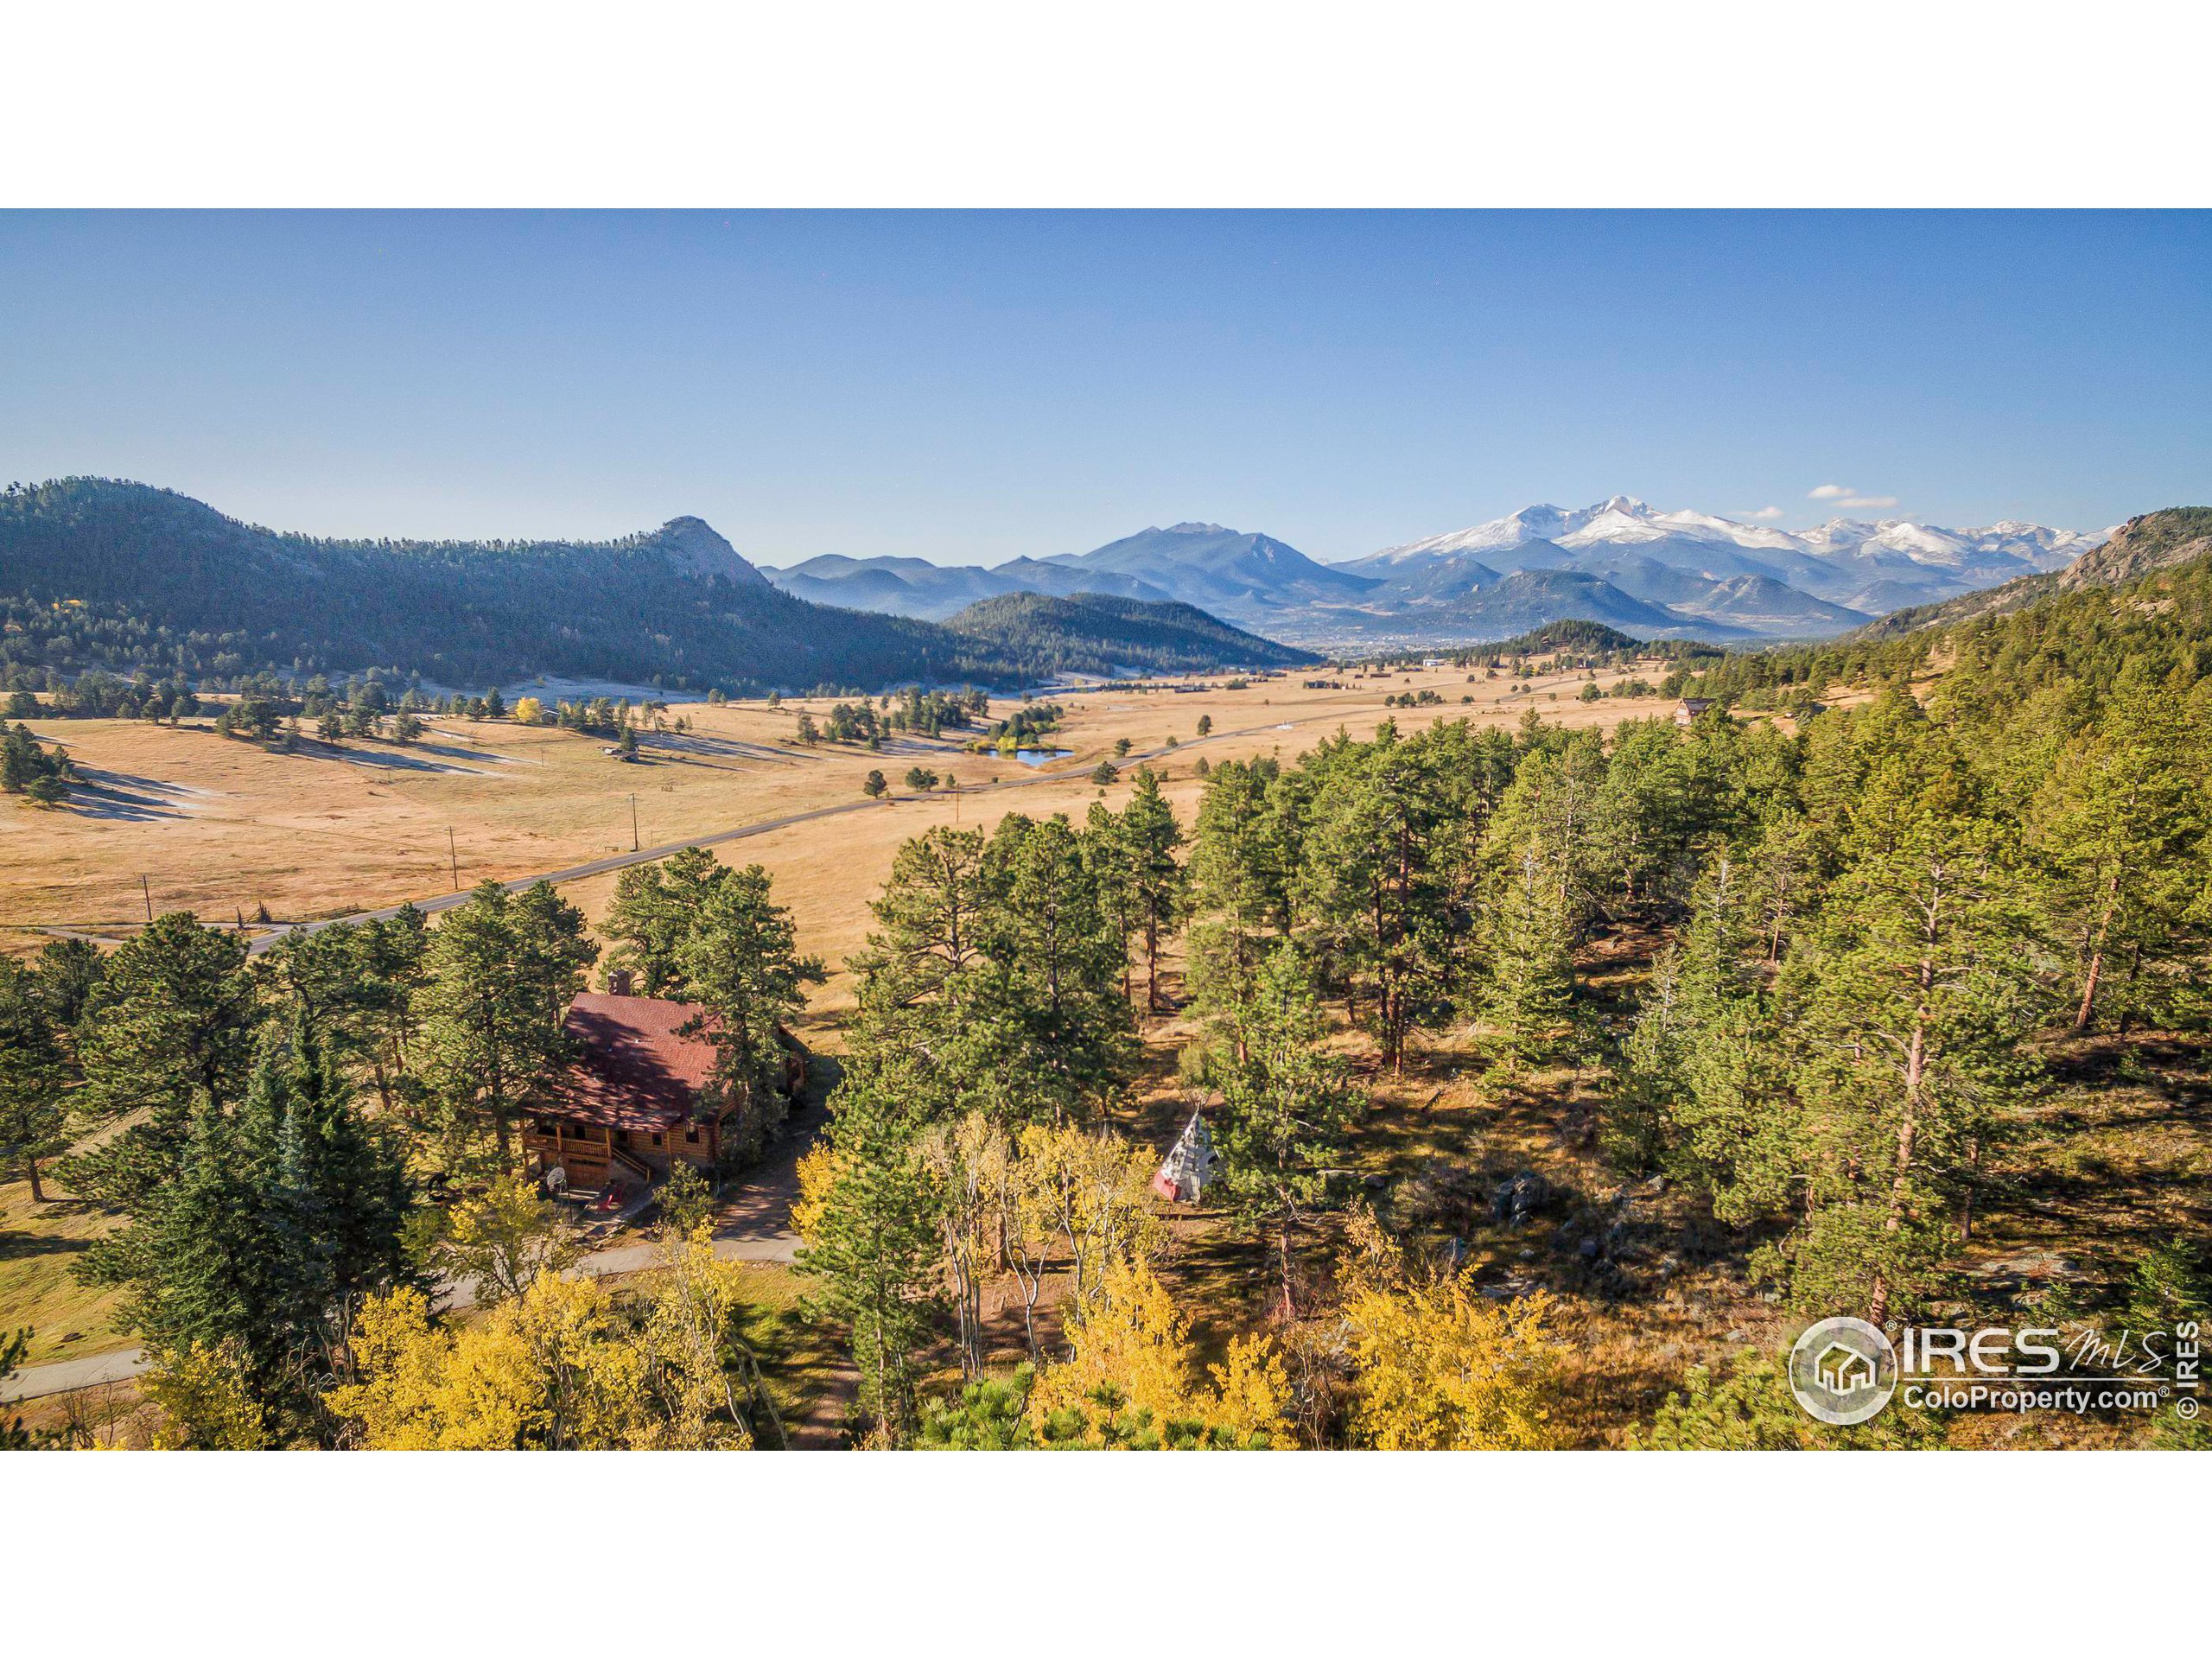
[
  {"x": 2155, "y": 540},
  {"x": 100, "y": 573},
  {"x": 1096, "y": 632}
]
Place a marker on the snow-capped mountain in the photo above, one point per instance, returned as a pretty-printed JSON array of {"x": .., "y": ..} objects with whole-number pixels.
[
  {"x": 1620, "y": 560},
  {"x": 1843, "y": 567},
  {"x": 1623, "y": 521}
]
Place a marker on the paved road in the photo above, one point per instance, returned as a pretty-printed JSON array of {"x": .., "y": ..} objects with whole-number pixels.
[
  {"x": 60, "y": 1376},
  {"x": 63, "y": 1375},
  {"x": 649, "y": 855},
  {"x": 754, "y": 1224}
]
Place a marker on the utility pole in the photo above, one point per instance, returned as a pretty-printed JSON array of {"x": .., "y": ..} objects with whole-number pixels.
[
  {"x": 634, "y": 823},
  {"x": 149, "y": 894},
  {"x": 453, "y": 853}
]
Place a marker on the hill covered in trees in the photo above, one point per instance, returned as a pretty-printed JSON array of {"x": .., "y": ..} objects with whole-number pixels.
[
  {"x": 1094, "y": 633},
  {"x": 2086, "y": 626},
  {"x": 97, "y": 572},
  {"x": 2151, "y": 542}
]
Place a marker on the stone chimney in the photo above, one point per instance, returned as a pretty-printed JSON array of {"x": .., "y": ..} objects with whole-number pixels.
[{"x": 618, "y": 982}]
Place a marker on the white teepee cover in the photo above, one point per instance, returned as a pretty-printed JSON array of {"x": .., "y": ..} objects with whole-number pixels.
[{"x": 1188, "y": 1169}]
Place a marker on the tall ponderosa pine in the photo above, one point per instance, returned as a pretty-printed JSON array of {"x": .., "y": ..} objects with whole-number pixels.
[
  {"x": 497, "y": 978},
  {"x": 1159, "y": 884},
  {"x": 1287, "y": 1107},
  {"x": 1910, "y": 1001},
  {"x": 1046, "y": 929},
  {"x": 169, "y": 1026},
  {"x": 2122, "y": 821},
  {"x": 740, "y": 963},
  {"x": 1386, "y": 882},
  {"x": 355, "y": 986},
  {"x": 871, "y": 1252},
  {"x": 1244, "y": 865}
]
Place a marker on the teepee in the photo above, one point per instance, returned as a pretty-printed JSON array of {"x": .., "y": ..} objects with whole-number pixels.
[{"x": 1188, "y": 1169}]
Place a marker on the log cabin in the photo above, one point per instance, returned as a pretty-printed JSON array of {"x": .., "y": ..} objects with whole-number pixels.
[{"x": 639, "y": 1096}]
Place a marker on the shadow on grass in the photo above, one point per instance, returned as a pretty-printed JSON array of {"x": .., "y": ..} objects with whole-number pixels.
[{"x": 20, "y": 1246}]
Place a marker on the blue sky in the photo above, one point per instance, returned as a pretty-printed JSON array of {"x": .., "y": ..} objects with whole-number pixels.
[{"x": 970, "y": 387}]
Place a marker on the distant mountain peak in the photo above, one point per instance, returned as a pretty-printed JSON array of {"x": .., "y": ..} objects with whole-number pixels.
[{"x": 1193, "y": 527}]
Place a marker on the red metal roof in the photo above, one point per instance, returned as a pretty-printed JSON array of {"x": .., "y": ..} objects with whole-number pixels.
[{"x": 635, "y": 1071}]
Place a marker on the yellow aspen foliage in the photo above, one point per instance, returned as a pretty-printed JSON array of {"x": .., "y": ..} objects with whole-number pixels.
[
  {"x": 550, "y": 1369},
  {"x": 204, "y": 1403},
  {"x": 1250, "y": 1391},
  {"x": 817, "y": 1176},
  {"x": 1131, "y": 1358},
  {"x": 529, "y": 711},
  {"x": 1439, "y": 1367},
  {"x": 704, "y": 1382},
  {"x": 1095, "y": 1193}
]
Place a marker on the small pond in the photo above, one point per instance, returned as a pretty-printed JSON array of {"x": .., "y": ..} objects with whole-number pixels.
[{"x": 1041, "y": 757}]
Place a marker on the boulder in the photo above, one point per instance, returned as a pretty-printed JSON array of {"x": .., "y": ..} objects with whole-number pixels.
[{"x": 1519, "y": 1196}]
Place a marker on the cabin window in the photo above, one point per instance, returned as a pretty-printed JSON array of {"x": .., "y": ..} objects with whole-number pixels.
[
  {"x": 655, "y": 1137},
  {"x": 691, "y": 1137},
  {"x": 622, "y": 1137}
]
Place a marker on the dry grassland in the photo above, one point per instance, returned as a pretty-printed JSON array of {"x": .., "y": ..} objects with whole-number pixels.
[{"x": 223, "y": 828}]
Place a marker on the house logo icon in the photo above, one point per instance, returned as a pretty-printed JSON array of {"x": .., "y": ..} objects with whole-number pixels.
[{"x": 1843, "y": 1372}]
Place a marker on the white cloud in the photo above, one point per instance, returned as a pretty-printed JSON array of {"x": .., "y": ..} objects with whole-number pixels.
[
  {"x": 1765, "y": 512},
  {"x": 1834, "y": 491},
  {"x": 1868, "y": 501}
]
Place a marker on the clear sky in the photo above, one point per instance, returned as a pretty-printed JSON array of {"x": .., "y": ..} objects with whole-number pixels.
[{"x": 969, "y": 387}]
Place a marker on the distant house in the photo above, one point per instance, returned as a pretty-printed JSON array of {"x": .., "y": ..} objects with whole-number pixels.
[
  {"x": 1691, "y": 709},
  {"x": 638, "y": 1098}
]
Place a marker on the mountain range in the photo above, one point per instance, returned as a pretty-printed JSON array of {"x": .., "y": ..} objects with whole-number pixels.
[
  {"x": 1620, "y": 562},
  {"x": 108, "y": 573},
  {"x": 97, "y": 572}
]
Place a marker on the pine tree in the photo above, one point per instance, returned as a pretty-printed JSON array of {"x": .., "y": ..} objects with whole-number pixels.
[
  {"x": 1384, "y": 884},
  {"x": 499, "y": 975},
  {"x": 738, "y": 963},
  {"x": 1242, "y": 872},
  {"x": 1704, "y": 1060},
  {"x": 1913, "y": 997},
  {"x": 1047, "y": 929},
  {"x": 2123, "y": 824},
  {"x": 33, "y": 1077},
  {"x": 872, "y": 1253},
  {"x": 1159, "y": 884},
  {"x": 1529, "y": 999},
  {"x": 654, "y": 910},
  {"x": 1288, "y": 1106},
  {"x": 170, "y": 1025}
]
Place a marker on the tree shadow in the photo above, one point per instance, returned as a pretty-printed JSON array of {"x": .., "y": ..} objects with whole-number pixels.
[{"x": 21, "y": 1247}]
